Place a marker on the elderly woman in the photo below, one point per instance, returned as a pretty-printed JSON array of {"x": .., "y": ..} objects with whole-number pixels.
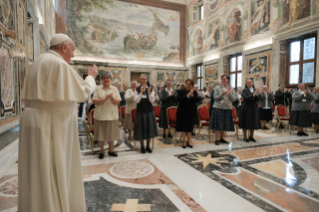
[
  {"x": 301, "y": 109},
  {"x": 315, "y": 110},
  {"x": 187, "y": 100},
  {"x": 249, "y": 116},
  {"x": 106, "y": 117},
  {"x": 221, "y": 117},
  {"x": 130, "y": 105},
  {"x": 168, "y": 99},
  {"x": 145, "y": 126},
  {"x": 265, "y": 111}
]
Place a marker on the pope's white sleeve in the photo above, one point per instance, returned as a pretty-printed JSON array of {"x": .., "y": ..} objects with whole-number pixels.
[{"x": 91, "y": 81}]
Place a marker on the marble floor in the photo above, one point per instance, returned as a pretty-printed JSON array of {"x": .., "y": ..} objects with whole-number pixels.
[{"x": 280, "y": 172}]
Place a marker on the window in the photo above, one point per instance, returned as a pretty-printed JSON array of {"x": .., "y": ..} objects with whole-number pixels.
[
  {"x": 301, "y": 60},
  {"x": 199, "y": 76},
  {"x": 198, "y": 11},
  {"x": 201, "y": 12},
  {"x": 235, "y": 71}
]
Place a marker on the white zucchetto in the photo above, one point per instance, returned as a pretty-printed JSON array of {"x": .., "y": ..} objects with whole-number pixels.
[{"x": 58, "y": 39}]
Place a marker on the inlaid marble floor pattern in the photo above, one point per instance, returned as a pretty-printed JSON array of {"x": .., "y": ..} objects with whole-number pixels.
[{"x": 280, "y": 172}]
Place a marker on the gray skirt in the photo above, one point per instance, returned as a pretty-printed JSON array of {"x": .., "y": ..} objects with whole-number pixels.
[
  {"x": 145, "y": 126},
  {"x": 128, "y": 124},
  {"x": 106, "y": 130},
  {"x": 300, "y": 118}
]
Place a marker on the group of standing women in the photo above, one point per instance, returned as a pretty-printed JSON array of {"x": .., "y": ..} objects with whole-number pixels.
[{"x": 255, "y": 110}]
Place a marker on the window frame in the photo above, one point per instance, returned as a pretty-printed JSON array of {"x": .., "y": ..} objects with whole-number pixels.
[
  {"x": 200, "y": 86},
  {"x": 200, "y": 14},
  {"x": 301, "y": 60},
  {"x": 236, "y": 72}
]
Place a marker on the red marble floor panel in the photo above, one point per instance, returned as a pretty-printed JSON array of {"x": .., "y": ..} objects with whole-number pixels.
[
  {"x": 8, "y": 202},
  {"x": 279, "y": 195},
  {"x": 313, "y": 162},
  {"x": 253, "y": 153}
]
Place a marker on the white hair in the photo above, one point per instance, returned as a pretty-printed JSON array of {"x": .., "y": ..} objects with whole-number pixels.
[
  {"x": 133, "y": 82},
  {"x": 59, "y": 46}
]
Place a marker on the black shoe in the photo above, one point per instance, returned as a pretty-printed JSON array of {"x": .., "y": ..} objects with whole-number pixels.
[
  {"x": 317, "y": 131},
  {"x": 143, "y": 150},
  {"x": 164, "y": 136},
  {"x": 114, "y": 154},
  {"x": 299, "y": 134},
  {"x": 184, "y": 146},
  {"x": 246, "y": 140},
  {"x": 223, "y": 141},
  {"x": 304, "y": 134},
  {"x": 148, "y": 149},
  {"x": 216, "y": 142},
  {"x": 193, "y": 134},
  {"x": 265, "y": 128},
  {"x": 252, "y": 139},
  {"x": 101, "y": 155},
  {"x": 281, "y": 127},
  {"x": 190, "y": 146},
  {"x": 170, "y": 136}
]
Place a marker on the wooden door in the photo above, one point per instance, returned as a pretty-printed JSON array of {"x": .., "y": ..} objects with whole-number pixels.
[{"x": 135, "y": 76}]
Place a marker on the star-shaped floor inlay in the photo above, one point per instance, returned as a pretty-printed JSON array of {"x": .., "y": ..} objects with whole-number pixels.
[{"x": 208, "y": 159}]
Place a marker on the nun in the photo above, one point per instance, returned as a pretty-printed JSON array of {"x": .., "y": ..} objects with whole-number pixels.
[
  {"x": 249, "y": 117},
  {"x": 168, "y": 98},
  {"x": 145, "y": 127},
  {"x": 301, "y": 109}
]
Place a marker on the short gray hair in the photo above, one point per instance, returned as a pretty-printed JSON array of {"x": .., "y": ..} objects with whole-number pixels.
[
  {"x": 106, "y": 74},
  {"x": 133, "y": 82}
]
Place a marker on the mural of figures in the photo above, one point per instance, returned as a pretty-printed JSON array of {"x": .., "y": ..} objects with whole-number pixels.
[
  {"x": 294, "y": 10},
  {"x": 212, "y": 5},
  {"x": 21, "y": 22},
  {"x": 116, "y": 29},
  {"x": 160, "y": 77},
  {"x": 315, "y": 6},
  {"x": 234, "y": 26},
  {"x": 211, "y": 73},
  {"x": 180, "y": 77},
  {"x": 198, "y": 42},
  {"x": 6, "y": 77},
  {"x": 258, "y": 65},
  {"x": 6, "y": 14},
  {"x": 213, "y": 39},
  {"x": 260, "y": 16}
]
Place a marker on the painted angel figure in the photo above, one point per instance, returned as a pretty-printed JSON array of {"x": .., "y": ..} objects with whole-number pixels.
[{"x": 259, "y": 19}]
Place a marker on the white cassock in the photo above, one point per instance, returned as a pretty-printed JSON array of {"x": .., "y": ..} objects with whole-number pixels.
[{"x": 50, "y": 171}]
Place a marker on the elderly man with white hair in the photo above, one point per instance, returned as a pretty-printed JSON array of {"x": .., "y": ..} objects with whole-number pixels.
[{"x": 50, "y": 173}]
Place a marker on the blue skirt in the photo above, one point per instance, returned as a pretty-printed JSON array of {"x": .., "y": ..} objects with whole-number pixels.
[
  {"x": 145, "y": 126},
  {"x": 221, "y": 120}
]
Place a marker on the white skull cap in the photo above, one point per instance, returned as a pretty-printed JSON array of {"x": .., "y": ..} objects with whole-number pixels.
[{"x": 58, "y": 39}]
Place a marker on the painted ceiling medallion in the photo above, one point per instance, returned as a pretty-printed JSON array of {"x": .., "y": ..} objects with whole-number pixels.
[{"x": 132, "y": 169}]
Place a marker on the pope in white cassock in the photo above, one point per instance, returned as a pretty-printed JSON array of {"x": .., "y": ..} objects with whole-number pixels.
[{"x": 50, "y": 171}]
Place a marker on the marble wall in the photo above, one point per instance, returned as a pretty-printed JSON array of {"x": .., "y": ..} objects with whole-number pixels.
[
  {"x": 21, "y": 23},
  {"x": 249, "y": 27}
]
